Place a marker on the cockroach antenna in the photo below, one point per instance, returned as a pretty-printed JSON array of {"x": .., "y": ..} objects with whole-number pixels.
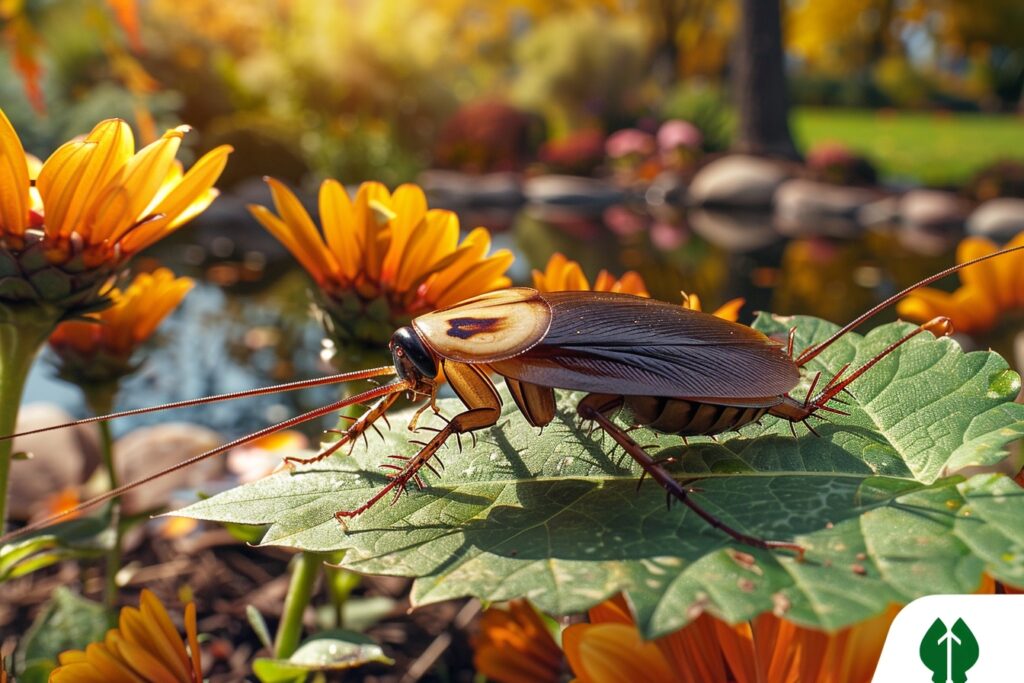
[
  {"x": 812, "y": 351},
  {"x": 392, "y": 388},
  {"x": 261, "y": 391}
]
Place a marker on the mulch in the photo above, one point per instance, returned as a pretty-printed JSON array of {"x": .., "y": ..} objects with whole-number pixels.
[{"x": 429, "y": 644}]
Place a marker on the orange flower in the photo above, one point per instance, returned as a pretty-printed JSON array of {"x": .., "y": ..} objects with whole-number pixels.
[
  {"x": 67, "y": 225},
  {"x": 768, "y": 648},
  {"x": 989, "y": 289},
  {"x": 564, "y": 275},
  {"x": 383, "y": 247},
  {"x": 515, "y": 646},
  {"x": 145, "y": 647},
  {"x": 131, "y": 319},
  {"x": 106, "y": 340}
]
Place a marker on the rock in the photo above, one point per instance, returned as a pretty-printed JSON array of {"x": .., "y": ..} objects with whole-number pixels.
[
  {"x": 933, "y": 209},
  {"x": 880, "y": 212},
  {"x": 455, "y": 190},
  {"x": 734, "y": 231},
  {"x": 62, "y": 459},
  {"x": 811, "y": 207},
  {"x": 738, "y": 180},
  {"x": 149, "y": 449},
  {"x": 567, "y": 190},
  {"x": 999, "y": 219}
]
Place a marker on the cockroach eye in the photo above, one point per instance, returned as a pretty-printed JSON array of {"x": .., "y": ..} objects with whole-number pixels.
[{"x": 407, "y": 349}]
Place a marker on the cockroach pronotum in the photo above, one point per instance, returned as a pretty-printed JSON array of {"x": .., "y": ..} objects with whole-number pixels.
[{"x": 670, "y": 369}]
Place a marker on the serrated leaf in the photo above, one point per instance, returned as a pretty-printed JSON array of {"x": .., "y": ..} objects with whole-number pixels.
[{"x": 556, "y": 516}]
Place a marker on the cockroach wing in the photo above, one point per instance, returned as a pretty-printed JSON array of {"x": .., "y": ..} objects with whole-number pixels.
[
  {"x": 623, "y": 344},
  {"x": 487, "y": 328}
]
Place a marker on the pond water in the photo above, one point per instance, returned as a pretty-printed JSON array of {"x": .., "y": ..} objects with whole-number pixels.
[{"x": 247, "y": 322}]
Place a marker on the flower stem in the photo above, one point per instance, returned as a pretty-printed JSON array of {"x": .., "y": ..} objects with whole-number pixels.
[
  {"x": 22, "y": 332},
  {"x": 100, "y": 398},
  {"x": 340, "y": 584},
  {"x": 305, "y": 568}
]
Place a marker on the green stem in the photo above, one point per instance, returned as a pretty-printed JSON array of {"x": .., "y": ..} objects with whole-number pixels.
[
  {"x": 305, "y": 567},
  {"x": 340, "y": 584},
  {"x": 100, "y": 398},
  {"x": 22, "y": 332}
]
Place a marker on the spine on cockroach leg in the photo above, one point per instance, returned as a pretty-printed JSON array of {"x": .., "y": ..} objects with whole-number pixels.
[
  {"x": 387, "y": 389},
  {"x": 812, "y": 351},
  {"x": 261, "y": 391}
]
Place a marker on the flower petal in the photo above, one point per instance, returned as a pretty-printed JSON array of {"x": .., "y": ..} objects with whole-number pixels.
[
  {"x": 180, "y": 196},
  {"x": 730, "y": 310},
  {"x": 171, "y": 649},
  {"x": 284, "y": 234},
  {"x": 612, "y": 653},
  {"x": 983, "y": 276},
  {"x": 338, "y": 221},
  {"x": 410, "y": 207},
  {"x": 114, "y": 144},
  {"x": 436, "y": 238},
  {"x": 694, "y": 651},
  {"x": 14, "y": 181},
  {"x": 193, "y": 641},
  {"x": 371, "y": 227},
  {"x": 305, "y": 232},
  {"x": 58, "y": 180},
  {"x": 140, "y": 179},
  {"x": 142, "y": 660}
]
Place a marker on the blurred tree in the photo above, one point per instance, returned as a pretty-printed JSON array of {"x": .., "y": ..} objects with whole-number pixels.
[
  {"x": 759, "y": 80},
  {"x": 31, "y": 31},
  {"x": 581, "y": 70},
  {"x": 688, "y": 37},
  {"x": 841, "y": 38}
]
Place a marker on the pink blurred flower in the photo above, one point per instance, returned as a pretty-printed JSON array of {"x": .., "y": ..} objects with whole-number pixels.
[
  {"x": 629, "y": 141},
  {"x": 678, "y": 133}
]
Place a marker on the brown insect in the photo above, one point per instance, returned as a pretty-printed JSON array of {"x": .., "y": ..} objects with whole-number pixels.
[{"x": 668, "y": 368}]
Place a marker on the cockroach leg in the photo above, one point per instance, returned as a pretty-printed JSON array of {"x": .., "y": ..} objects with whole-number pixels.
[
  {"x": 477, "y": 391},
  {"x": 595, "y": 407},
  {"x": 798, "y": 411},
  {"x": 356, "y": 429}
]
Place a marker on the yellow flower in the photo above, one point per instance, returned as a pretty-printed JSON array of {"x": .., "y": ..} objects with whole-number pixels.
[
  {"x": 989, "y": 289},
  {"x": 383, "y": 247},
  {"x": 110, "y": 337},
  {"x": 610, "y": 649},
  {"x": 515, "y": 646},
  {"x": 146, "y": 646},
  {"x": 564, "y": 275},
  {"x": 67, "y": 225}
]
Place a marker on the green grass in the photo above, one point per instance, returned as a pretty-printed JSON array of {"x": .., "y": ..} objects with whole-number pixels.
[{"x": 935, "y": 148}]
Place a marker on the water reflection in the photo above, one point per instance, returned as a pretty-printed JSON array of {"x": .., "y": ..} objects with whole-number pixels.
[{"x": 247, "y": 323}]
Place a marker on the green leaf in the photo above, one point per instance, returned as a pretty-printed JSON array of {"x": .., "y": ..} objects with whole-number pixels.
[
  {"x": 259, "y": 626},
  {"x": 556, "y": 516},
  {"x": 334, "y": 650},
  {"x": 75, "y": 539},
  {"x": 67, "y": 622}
]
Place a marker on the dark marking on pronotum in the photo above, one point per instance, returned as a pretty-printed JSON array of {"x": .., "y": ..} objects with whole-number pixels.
[{"x": 464, "y": 328}]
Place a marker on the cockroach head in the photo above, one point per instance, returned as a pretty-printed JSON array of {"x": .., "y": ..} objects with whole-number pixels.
[{"x": 413, "y": 360}]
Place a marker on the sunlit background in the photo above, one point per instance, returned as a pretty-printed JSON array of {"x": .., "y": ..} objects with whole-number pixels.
[{"x": 490, "y": 105}]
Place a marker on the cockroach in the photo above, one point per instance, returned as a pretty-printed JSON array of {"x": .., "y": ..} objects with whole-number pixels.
[{"x": 671, "y": 369}]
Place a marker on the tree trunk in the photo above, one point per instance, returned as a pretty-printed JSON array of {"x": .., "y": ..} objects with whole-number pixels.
[{"x": 760, "y": 82}]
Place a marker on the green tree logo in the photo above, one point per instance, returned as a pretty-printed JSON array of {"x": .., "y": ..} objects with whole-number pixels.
[{"x": 949, "y": 652}]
